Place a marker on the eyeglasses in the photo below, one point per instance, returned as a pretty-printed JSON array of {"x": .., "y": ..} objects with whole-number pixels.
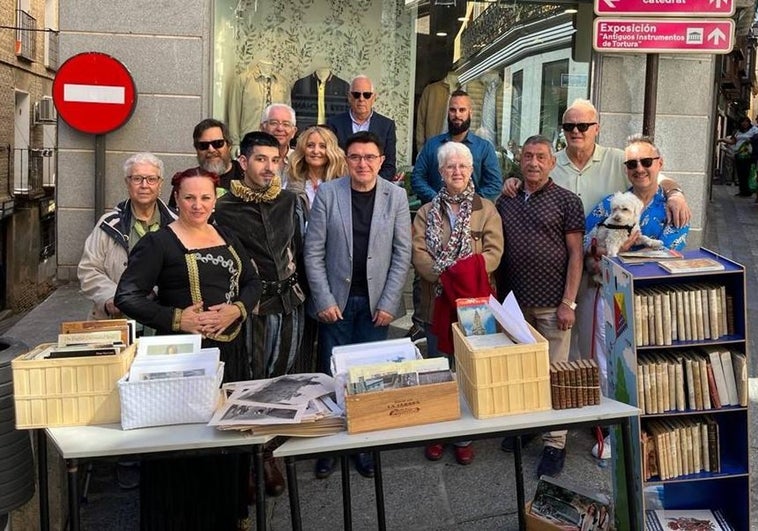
[
  {"x": 139, "y": 179},
  {"x": 203, "y": 145},
  {"x": 646, "y": 162},
  {"x": 452, "y": 167},
  {"x": 581, "y": 126},
  {"x": 355, "y": 159},
  {"x": 276, "y": 123},
  {"x": 366, "y": 95}
]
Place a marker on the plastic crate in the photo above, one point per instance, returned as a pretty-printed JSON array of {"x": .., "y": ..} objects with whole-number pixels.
[
  {"x": 68, "y": 391},
  {"x": 503, "y": 380}
]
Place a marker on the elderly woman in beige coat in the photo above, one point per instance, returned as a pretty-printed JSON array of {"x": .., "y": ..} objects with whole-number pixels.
[{"x": 454, "y": 226}]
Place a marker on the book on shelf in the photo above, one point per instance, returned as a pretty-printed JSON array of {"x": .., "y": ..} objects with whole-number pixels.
[
  {"x": 649, "y": 255},
  {"x": 739, "y": 363},
  {"x": 712, "y": 388},
  {"x": 718, "y": 375},
  {"x": 574, "y": 384},
  {"x": 691, "y": 265},
  {"x": 475, "y": 316},
  {"x": 686, "y": 519},
  {"x": 731, "y": 384}
]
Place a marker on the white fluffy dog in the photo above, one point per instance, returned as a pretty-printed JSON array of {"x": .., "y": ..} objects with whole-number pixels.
[{"x": 623, "y": 221}]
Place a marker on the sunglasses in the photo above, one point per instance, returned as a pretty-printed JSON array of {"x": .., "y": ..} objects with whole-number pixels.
[
  {"x": 581, "y": 127},
  {"x": 203, "y": 145},
  {"x": 646, "y": 162},
  {"x": 357, "y": 95}
]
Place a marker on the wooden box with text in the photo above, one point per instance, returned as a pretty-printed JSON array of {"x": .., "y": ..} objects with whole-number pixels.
[
  {"x": 399, "y": 408},
  {"x": 68, "y": 391},
  {"x": 503, "y": 380}
]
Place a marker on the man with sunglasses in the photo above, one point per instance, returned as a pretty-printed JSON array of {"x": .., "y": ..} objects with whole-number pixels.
[
  {"x": 362, "y": 117},
  {"x": 279, "y": 121},
  {"x": 213, "y": 147}
]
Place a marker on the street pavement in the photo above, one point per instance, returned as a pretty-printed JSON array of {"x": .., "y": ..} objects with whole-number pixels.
[{"x": 419, "y": 495}]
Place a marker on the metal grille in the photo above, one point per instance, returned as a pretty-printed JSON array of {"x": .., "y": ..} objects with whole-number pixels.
[{"x": 26, "y": 44}]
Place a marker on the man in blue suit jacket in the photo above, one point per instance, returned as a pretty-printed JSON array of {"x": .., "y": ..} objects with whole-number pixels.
[
  {"x": 361, "y": 117},
  {"x": 357, "y": 257}
]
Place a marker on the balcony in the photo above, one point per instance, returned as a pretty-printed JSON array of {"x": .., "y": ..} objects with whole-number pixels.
[
  {"x": 26, "y": 43},
  {"x": 51, "y": 49}
]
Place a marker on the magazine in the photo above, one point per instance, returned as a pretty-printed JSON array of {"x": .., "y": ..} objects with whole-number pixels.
[
  {"x": 475, "y": 316},
  {"x": 649, "y": 255}
]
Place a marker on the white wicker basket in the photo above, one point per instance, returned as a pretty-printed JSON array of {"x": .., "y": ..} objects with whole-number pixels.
[{"x": 171, "y": 401}]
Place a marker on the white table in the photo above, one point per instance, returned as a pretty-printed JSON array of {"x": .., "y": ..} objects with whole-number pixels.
[
  {"x": 608, "y": 412},
  {"x": 80, "y": 442}
]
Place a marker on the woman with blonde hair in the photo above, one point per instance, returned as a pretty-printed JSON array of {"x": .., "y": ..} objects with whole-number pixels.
[{"x": 316, "y": 160}]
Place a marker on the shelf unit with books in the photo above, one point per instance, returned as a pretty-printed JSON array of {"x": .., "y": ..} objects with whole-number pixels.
[{"x": 654, "y": 322}]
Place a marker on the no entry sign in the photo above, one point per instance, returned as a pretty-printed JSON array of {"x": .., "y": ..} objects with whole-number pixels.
[{"x": 94, "y": 93}]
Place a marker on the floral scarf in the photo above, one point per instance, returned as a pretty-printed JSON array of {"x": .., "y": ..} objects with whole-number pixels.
[
  {"x": 459, "y": 244},
  {"x": 257, "y": 194}
]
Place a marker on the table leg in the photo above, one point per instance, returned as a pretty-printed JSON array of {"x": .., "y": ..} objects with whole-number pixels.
[
  {"x": 347, "y": 514},
  {"x": 72, "y": 466},
  {"x": 520, "y": 498},
  {"x": 297, "y": 523},
  {"x": 379, "y": 491},
  {"x": 632, "y": 499},
  {"x": 44, "y": 500},
  {"x": 260, "y": 488}
]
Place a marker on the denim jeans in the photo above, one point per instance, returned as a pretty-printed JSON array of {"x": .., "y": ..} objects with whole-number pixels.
[{"x": 356, "y": 326}]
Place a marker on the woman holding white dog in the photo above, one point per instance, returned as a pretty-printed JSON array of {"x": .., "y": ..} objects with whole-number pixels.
[
  {"x": 457, "y": 245},
  {"x": 643, "y": 162}
]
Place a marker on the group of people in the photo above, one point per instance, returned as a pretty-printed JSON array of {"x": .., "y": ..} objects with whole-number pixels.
[
  {"x": 743, "y": 144},
  {"x": 263, "y": 254}
]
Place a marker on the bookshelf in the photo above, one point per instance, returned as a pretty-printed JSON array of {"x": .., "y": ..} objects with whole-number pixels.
[{"x": 728, "y": 489}]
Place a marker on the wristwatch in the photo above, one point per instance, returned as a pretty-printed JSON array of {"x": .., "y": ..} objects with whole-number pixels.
[{"x": 570, "y": 304}]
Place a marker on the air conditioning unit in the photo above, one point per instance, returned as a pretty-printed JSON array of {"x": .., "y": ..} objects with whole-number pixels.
[{"x": 44, "y": 111}]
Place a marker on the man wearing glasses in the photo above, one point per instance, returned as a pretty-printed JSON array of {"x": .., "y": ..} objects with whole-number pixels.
[
  {"x": 357, "y": 256},
  {"x": 117, "y": 232},
  {"x": 279, "y": 120},
  {"x": 362, "y": 117}
]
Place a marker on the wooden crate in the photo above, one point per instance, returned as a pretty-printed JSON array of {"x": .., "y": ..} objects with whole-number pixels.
[
  {"x": 503, "y": 380},
  {"x": 68, "y": 391},
  {"x": 399, "y": 408}
]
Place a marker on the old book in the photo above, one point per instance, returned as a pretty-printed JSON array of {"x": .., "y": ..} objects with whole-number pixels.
[
  {"x": 658, "y": 305},
  {"x": 686, "y": 313},
  {"x": 661, "y": 453},
  {"x": 718, "y": 374},
  {"x": 651, "y": 318},
  {"x": 661, "y": 391},
  {"x": 674, "y": 322},
  {"x": 704, "y": 445},
  {"x": 595, "y": 373},
  {"x": 697, "y": 453},
  {"x": 681, "y": 402},
  {"x": 691, "y": 265},
  {"x": 649, "y": 255},
  {"x": 574, "y": 384},
  {"x": 121, "y": 325},
  {"x": 671, "y": 370},
  {"x": 731, "y": 383},
  {"x": 554, "y": 387},
  {"x": 694, "y": 307},
  {"x": 713, "y": 391},
  {"x": 640, "y": 389},
  {"x": 699, "y": 314},
  {"x": 563, "y": 394},
  {"x": 637, "y": 319},
  {"x": 650, "y": 404},
  {"x": 666, "y": 311},
  {"x": 649, "y": 455},
  {"x": 643, "y": 323},
  {"x": 713, "y": 311},
  {"x": 696, "y": 381},
  {"x": 680, "y": 324},
  {"x": 703, "y": 290},
  {"x": 704, "y": 390},
  {"x": 713, "y": 444},
  {"x": 730, "y": 315},
  {"x": 739, "y": 363},
  {"x": 690, "y": 379},
  {"x": 586, "y": 382}
]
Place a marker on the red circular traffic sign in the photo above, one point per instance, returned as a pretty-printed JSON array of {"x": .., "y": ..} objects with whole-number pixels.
[{"x": 94, "y": 93}]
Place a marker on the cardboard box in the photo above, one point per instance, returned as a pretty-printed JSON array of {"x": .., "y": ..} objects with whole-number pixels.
[
  {"x": 68, "y": 391},
  {"x": 399, "y": 408},
  {"x": 503, "y": 380}
]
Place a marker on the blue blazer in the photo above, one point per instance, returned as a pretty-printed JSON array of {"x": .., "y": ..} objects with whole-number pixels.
[
  {"x": 381, "y": 126},
  {"x": 328, "y": 249}
]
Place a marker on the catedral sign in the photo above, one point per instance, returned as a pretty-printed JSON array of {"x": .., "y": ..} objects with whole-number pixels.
[{"x": 640, "y": 35}]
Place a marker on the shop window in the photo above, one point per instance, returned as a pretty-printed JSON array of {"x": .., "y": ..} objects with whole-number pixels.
[
  {"x": 517, "y": 91},
  {"x": 553, "y": 100}
]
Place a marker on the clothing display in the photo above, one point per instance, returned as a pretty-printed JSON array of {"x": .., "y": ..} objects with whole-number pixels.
[
  {"x": 488, "y": 129},
  {"x": 269, "y": 224},
  {"x": 254, "y": 89},
  {"x": 317, "y": 97},
  {"x": 431, "y": 113},
  {"x": 381, "y": 126},
  {"x": 197, "y": 492},
  {"x": 106, "y": 252}
]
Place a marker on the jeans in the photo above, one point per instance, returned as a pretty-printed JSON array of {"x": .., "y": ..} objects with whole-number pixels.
[{"x": 356, "y": 326}]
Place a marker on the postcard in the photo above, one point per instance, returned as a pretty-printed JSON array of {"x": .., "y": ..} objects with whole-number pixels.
[{"x": 169, "y": 345}]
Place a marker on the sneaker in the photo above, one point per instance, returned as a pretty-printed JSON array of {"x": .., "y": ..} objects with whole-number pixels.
[
  {"x": 127, "y": 474},
  {"x": 433, "y": 452},
  {"x": 324, "y": 467},
  {"x": 464, "y": 454},
  {"x": 551, "y": 462},
  {"x": 606, "y": 452},
  {"x": 416, "y": 332}
]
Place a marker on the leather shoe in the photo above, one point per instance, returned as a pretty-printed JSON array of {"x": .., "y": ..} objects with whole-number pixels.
[
  {"x": 364, "y": 464},
  {"x": 272, "y": 477},
  {"x": 433, "y": 452},
  {"x": 324, "y": 467},
  {"x": 464, "y": 454}
]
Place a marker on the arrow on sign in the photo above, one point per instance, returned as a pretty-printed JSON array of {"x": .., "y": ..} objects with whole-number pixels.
[
  {"x": 719, "y": 2},
  {"x": 610, "y": 3},
  {"x": 716, "y": 36}
]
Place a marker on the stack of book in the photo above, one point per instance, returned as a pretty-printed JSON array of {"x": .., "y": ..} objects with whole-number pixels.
[
  {"x": 574, "y": 384},
  {"x": 89, "y": 338},
  {"x": 698, "y": 379},
  {"x": 680, "y": 446},
  {"x": 684, "y": 312}
]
